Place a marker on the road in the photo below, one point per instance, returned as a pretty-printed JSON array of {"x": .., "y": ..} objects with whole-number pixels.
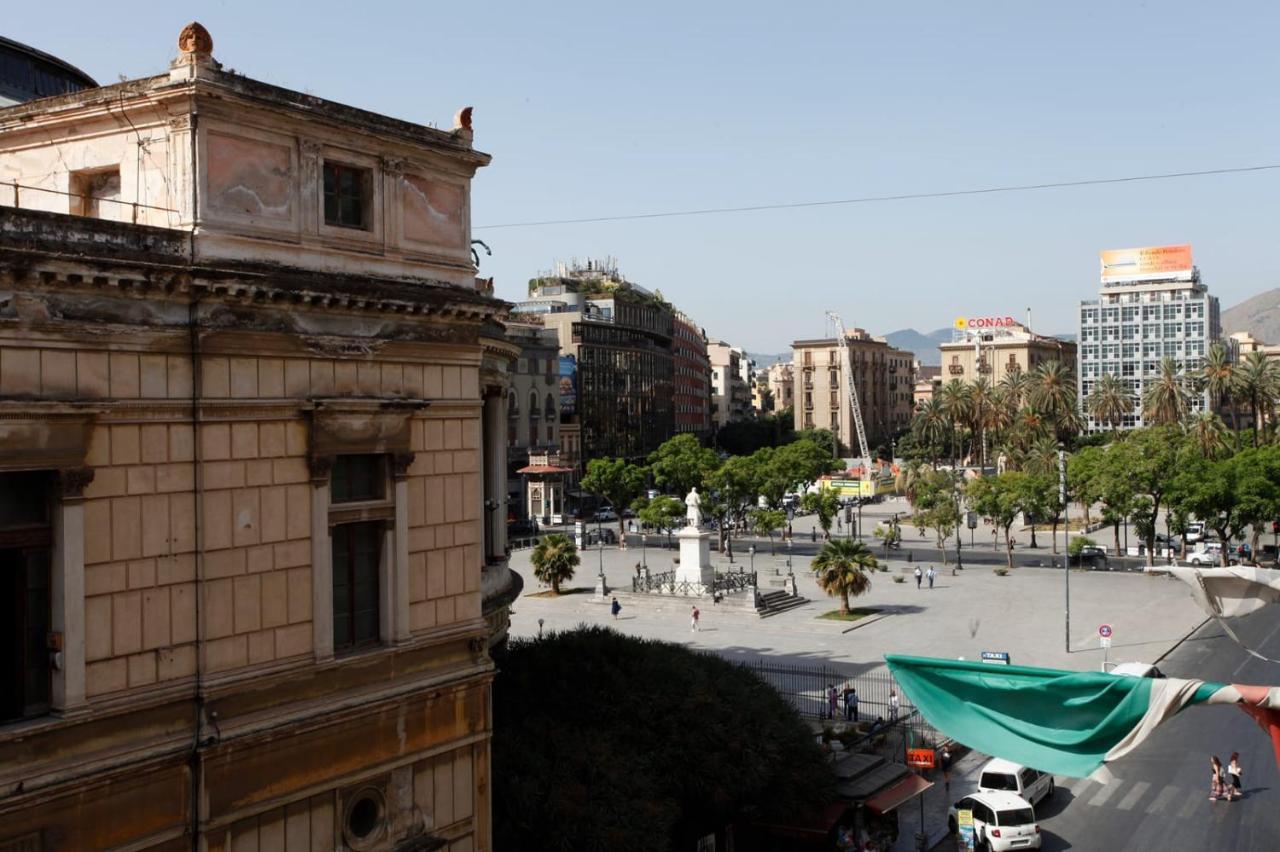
[{"x": 1159, "y": 799}]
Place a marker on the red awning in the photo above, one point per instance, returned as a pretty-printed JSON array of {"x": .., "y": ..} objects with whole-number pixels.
[
  {"x": 891, "y": 797},
  {"x": 544, "y": 469}
]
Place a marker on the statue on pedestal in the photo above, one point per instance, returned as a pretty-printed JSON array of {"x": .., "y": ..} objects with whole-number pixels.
[{"x": 693, "y": 513}]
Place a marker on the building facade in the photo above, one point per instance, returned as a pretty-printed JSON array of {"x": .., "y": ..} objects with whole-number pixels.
[
  {"x": 993, "y": 353},
  {"x": 259, "y": 436},
  {"x": 730, "y": 390},
  {"x": 928, "y": 383},
  {"x": 533, "y": 405},
  {"x": 884, "y": 382},
  {"x": 780, "y": 380},
  {"x": 1152, "y": 305},
  {"x": 692, "y": 377},
  {"x": 620, "y": 339}
]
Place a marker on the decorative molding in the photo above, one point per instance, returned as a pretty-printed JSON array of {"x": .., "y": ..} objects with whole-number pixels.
[
  {"x": 320, "y": 467},
  {"x": 73, "y": 481},
  {"x": 179, "y": 123},
  {"x": 310, "y": 147},
  {"x": 400, "y": 463},
  {"x": 393, "y": 166}
]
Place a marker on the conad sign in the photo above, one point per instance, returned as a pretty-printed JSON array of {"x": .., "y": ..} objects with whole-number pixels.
[
  {"x": 985, "y": 322},
  {"x": 1136, "y": 264}
]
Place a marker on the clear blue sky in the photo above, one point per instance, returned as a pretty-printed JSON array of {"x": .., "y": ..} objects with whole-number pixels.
[{"x": 591, "y": 110}]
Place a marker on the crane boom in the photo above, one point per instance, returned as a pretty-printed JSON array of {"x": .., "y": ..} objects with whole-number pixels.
[{"x": 847, "y": 358}]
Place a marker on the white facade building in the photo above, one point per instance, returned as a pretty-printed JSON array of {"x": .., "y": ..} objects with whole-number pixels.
[{"x": 1151, "y": 306}]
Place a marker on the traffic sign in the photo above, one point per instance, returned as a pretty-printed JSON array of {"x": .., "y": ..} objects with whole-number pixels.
[
  {"x": 1105, "y": 631},
  {"x": 1000, "y": 658}
]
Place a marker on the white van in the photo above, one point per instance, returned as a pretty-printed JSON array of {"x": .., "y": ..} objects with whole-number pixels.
[{"x": 1004, "y": 777}]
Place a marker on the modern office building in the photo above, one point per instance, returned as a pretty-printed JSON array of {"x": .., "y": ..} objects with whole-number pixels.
[
  {"x": 619, "y": 337},
  {"x": 251, "y": 532},
  {"x": 884, "y": 378},
  {"x": 994, "y": 347},
  {"x": 1151, "y": 305},
  {"x": 692, "y": 377}
]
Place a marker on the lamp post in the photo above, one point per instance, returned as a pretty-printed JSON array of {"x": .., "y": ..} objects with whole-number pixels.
[
  {"x": 1066, "y": 559},
  {"x": 644, "y": 547},
  {"x": 788, "y": 557},
  {"x": 539, "y": 628},
  {"x": 752, "y": 550},
  {"x": 600, "y": 541}
]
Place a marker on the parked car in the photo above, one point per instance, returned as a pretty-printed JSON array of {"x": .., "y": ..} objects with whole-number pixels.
[
  {"x": 605, "y": 514},
  {"x": 1094, "y": 555},
  {"x": 1003, "y": 776},
  {"x": 1206, "y": 553},
  {"x": 1001, "y": 821},
  {"x": 1194, "y": 533}
]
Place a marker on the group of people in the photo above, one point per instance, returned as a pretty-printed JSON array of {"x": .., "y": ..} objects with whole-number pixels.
[
  {"x": 1225, "y": 782},
  {"x": 931, "y": 575},
  {"x": 850, "y": 697}
]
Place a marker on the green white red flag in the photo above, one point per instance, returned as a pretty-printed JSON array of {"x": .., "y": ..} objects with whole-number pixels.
[{"x": 1067, "y": 723}]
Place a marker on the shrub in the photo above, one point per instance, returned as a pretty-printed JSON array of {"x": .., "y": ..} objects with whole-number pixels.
[
  {"x": 1079, "y": 543},
  {"x": 603, "y": 741}
]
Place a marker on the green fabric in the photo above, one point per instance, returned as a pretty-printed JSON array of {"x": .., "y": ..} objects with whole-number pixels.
[{"x": 1056, "y": 721}]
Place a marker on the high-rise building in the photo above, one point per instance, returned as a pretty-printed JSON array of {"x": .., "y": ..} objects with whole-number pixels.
[
  {"x": 620, "y": 339},
  {"x": 1152, "y": 305},
  {"x": 251, "y": 542},
  {"x": 692, "y": 377},
  {"x": 884, "y": 378}
]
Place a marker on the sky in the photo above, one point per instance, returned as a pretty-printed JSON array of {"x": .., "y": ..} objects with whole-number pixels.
[{"x": 595, "y": 109}]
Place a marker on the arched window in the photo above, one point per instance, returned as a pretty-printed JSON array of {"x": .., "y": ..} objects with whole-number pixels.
[
  {"x": 549, "y": 410},
  {"x": 513, "y": 404}
]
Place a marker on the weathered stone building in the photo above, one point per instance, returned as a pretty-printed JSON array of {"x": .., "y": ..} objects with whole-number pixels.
[{"x": 252, "y": 473}]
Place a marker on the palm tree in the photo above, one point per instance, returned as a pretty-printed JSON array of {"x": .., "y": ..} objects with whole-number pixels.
[
  {"x": 1259, "y": 383},
  {"x": 980, "y": 402},
  {"x": 930, "y": 425},
  {"x": 1208, "y": 434},
  {"x": 1110, "y": 401},
  {"x": 554, "y": 559},
  {"x": 1016, "y": 385},
  {"x": 842, "y": 568},
  {"x": 954, "y": 397},
  {"x": 1218, "y": 376},
  {"x": 1165, "y": 400},
  {"x": 1053, "y": 389}
]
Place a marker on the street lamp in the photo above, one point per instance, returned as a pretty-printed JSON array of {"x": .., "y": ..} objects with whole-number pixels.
[
  {"x": 788, "y": 557},
  {"x": 644, "y": 544},
  {"x": 539, "y": 628},
  {"x": 752, "y": 550}
]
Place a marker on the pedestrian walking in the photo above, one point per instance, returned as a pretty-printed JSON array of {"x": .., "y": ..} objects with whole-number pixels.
[
  {"x": 932, "y": 576},
  {"x": 945, "y": 760},
  {"x": 694, "y": 620},
  {"x": 1235, "y": 771},
  {"x": 832, "y": 697},
  {"x": 615, "y": 608},
  {"x": 893, "y": 707},
  {"x": 1215, "y": 781},
  {"x": 919, "y": 576}
]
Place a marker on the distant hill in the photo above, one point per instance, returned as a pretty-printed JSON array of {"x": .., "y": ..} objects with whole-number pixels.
[
  {"x": 764, "y": 362},
  {"x": 1260, "y": 316},
  {"x": 925, "y": 346}
]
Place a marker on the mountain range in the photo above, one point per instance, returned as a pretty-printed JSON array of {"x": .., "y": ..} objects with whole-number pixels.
[{"x": 1260, "y": 316}]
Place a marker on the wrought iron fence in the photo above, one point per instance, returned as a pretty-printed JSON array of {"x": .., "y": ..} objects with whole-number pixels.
[{"x": 665, "y": 583}]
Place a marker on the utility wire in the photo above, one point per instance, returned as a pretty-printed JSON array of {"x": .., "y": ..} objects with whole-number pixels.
[{"x": 875, "y": 199}]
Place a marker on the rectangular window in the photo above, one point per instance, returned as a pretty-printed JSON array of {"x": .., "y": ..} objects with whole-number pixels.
[
  {"x": 25, "y": 595},
  {"x": 346, "y": 196},
  {"x": 357, "y": 551},
  {"x": 358, "y": 478}
]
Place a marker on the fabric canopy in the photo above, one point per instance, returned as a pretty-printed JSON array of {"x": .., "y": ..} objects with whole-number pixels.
[
  {"x": 1230, "y": 592},
  {"x": 1067, "y": 723}
]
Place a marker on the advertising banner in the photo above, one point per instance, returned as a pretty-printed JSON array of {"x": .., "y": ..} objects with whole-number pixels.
[
  {"x": 964, "y": 824},
  {"x": 1138, "y": 264},
  {"x": 568, "y": 384},
  {"x": 850, "y": 487}
]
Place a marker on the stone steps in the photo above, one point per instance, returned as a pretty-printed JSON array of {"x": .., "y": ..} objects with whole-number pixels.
[{"x": 772, "y": 603}]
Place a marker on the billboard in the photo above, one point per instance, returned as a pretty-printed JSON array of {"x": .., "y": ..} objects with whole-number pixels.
[
  {"x": 970, "y": 323},
  {"x": 568, "y": 384},
  {"x": 1139, "y": 264}
]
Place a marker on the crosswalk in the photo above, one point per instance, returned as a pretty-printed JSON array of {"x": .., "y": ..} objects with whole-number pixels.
[{"x": 1137, "y": 797}]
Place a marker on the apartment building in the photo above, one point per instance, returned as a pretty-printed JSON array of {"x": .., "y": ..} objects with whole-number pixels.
[{"x": 884, "y": 379}]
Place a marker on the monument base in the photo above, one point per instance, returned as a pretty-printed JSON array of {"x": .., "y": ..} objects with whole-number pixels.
[{"x": 695, "y": 558}]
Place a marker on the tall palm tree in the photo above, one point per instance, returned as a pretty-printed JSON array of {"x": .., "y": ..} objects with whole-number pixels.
[
  {"x": 930, "y": 424},
  {"x": 1209, "y": 435},
  {"x": 1259, "y": 383},
  {"x": 1016, "y": 385},
  {"x": 554, "y": 559},
  {"x": 954, "y": 396},
  {"x": 1053, "y": 389},
  {"x": 1109, "y": 401},
  {"x": 1004, "y": 407},
  {"x": 1165, "y": 400},
  {"x": 1218, "y": 376},
  {"x": 980, "y": 401},
  {"x": 843, "y": 568}
]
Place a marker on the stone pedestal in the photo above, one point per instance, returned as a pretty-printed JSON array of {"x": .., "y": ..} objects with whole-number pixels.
[
  {"x": 602, "y": 589},
  {"x": 695, "y": 558}
]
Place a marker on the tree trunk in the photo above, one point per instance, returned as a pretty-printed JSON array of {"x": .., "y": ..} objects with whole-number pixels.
[
  {"x": 942, "y": 546},
  {"x": 1115, "y": 528},
  {"x": 1008, "y": 547},
  {"x": 622, "y": 533},
  {"x": 1055, "y": 536},
  {"x": 555, "y": 584},
  {"x": 844, "y": 602},
  {"x": 1033, "y": 537}
]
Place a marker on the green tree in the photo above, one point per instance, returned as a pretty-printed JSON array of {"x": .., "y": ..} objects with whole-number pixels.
[
  {"x": 999, "y": 498},
  {"x": 554, "y": 559},
  {"x": 1053, "y": 394},
  {"x": 1207, "y": 489},
  {"x": 618, "y": 482},
  {"x": 734, "y": 487},
  {"x": 1218, "y": 376},
  {"x": 789, "y": 467},
  {"x": 842, "y": 567},
  {"x": 824, "y": 438},
  {"x": 825, "y": 503},
  {"x": 1259, "y": 384},
  {"x": 1145, "y": 463},
  {"x": 934, "y": 505},
  {"x": 663, "y": 513},
  {"x": 767, "y": 522},
  {"x": 1208, "y": 435},
  {"x": 929, "y": 429},
  {"x": 1258, "y": 488},
  {"x": 681, "y": 464},
  {"x": 1165, "y": 400},
  {"x": 1110, "y": 401}
]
